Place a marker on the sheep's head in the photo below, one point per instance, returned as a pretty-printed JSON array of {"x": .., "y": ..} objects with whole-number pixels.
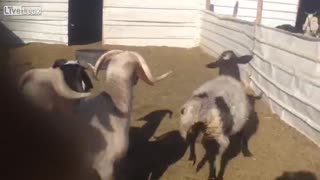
[
  {"x": 228, "y": 63},
  {"x": 229, "y": 58},
  {"x": 190, "y": 114},
  {"x": 215, "y": 117},
  {"x": 128, "y": 66}
]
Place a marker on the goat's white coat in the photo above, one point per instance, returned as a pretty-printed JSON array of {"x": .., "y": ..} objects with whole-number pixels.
[{"x": 109, "y": 112}]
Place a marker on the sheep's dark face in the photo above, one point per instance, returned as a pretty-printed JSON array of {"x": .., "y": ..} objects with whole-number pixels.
[
  {"x": 228, "y": 56},
  {"x": 75, "y": 75},
  {"x": 228, "y": 64}
]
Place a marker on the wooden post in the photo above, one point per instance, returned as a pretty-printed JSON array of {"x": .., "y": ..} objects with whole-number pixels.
[
  {"x": 259, "y": 12},
  {"x": 208, "y": 4},
  {"x": 235, "y": 9}
]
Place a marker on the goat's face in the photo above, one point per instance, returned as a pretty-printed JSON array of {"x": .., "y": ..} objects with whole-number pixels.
[
  {"x": 74, "y": 75},
  {"x": 124, "y": 69}
]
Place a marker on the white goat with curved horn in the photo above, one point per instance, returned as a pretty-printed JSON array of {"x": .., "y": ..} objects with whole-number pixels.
[
  {"x": 109, "y": 112},
  {"x": 123, "y": 69}
]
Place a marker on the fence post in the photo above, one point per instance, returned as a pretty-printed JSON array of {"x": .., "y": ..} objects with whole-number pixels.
[
  {"x": 208, "y": 4},
  {"x": 259, "y": 12},
  {"x": 235, "y": 9}
]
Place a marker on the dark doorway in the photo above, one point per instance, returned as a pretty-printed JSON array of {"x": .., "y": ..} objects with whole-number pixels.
[
  {"x": 306, "y": 6},
  {"x": 85, "y": 21}
]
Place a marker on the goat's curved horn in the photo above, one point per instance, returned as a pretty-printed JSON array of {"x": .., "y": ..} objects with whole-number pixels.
[
  {"x": 88, "y": 66},
  {"x": 103, "y": 59},
  {"x": 25, "y": 77},
  {"x": 59, "y": 85},
  {"x": 53, "y": 77},
  {"x": 144, "y": 72}
]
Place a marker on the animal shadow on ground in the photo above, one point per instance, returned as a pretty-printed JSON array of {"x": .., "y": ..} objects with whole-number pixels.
[
  {"x": 238, "y": 143},
  {"x": 150, "y": 159},
  {"x": 142, "y": 134},
  {"x": 300, "y": 175}
]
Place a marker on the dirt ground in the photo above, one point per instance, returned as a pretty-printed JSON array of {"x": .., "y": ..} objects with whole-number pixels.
[{"x": 277, "y": 148}]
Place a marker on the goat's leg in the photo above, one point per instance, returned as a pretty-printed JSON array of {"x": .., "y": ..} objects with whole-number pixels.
[
  {"x": 104, "y": 165},
  {"x": 106, "y": 173},
  {"x": 223, "y": 143}
]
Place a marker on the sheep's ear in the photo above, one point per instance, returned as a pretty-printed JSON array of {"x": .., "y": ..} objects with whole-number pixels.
[
  {"x": 214, "y": 64},
  {"x": 202, "y": 95},
  {"x": 244, "y": 59}
]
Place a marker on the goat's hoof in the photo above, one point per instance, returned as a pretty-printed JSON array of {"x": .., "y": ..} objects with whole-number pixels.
[
  {"x": 191, "y": 163},
  {"x": 192, "y": 160}
]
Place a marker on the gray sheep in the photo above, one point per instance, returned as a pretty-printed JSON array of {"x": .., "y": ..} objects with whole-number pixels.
[{"x": 222, "y": 107}]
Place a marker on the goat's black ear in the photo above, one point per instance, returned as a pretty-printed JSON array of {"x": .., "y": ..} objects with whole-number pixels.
[
  {"x": 59, "y": 62},
  {"x": 244, "y": 59},
  {"x": 86, "y": 80}
]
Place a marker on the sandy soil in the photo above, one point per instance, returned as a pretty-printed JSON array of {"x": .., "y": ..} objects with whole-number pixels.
[{"x": 277, "y": 148}]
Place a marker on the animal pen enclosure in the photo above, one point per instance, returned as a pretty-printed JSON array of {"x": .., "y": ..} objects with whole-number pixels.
[{"x": 285, "y": 67}]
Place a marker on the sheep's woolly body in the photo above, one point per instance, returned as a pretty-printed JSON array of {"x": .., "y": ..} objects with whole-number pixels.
[
  {"x": 233, "y": 94},
  {"x": 213, "y": 125}
]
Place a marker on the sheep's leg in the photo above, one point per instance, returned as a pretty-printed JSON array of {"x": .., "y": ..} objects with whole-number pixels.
[
  {"x": 244, "y": 145},
  {"x": 224, "y": 143},
  {"x": 194, "y": 141},
  {"x": 192, "y": 155}
]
